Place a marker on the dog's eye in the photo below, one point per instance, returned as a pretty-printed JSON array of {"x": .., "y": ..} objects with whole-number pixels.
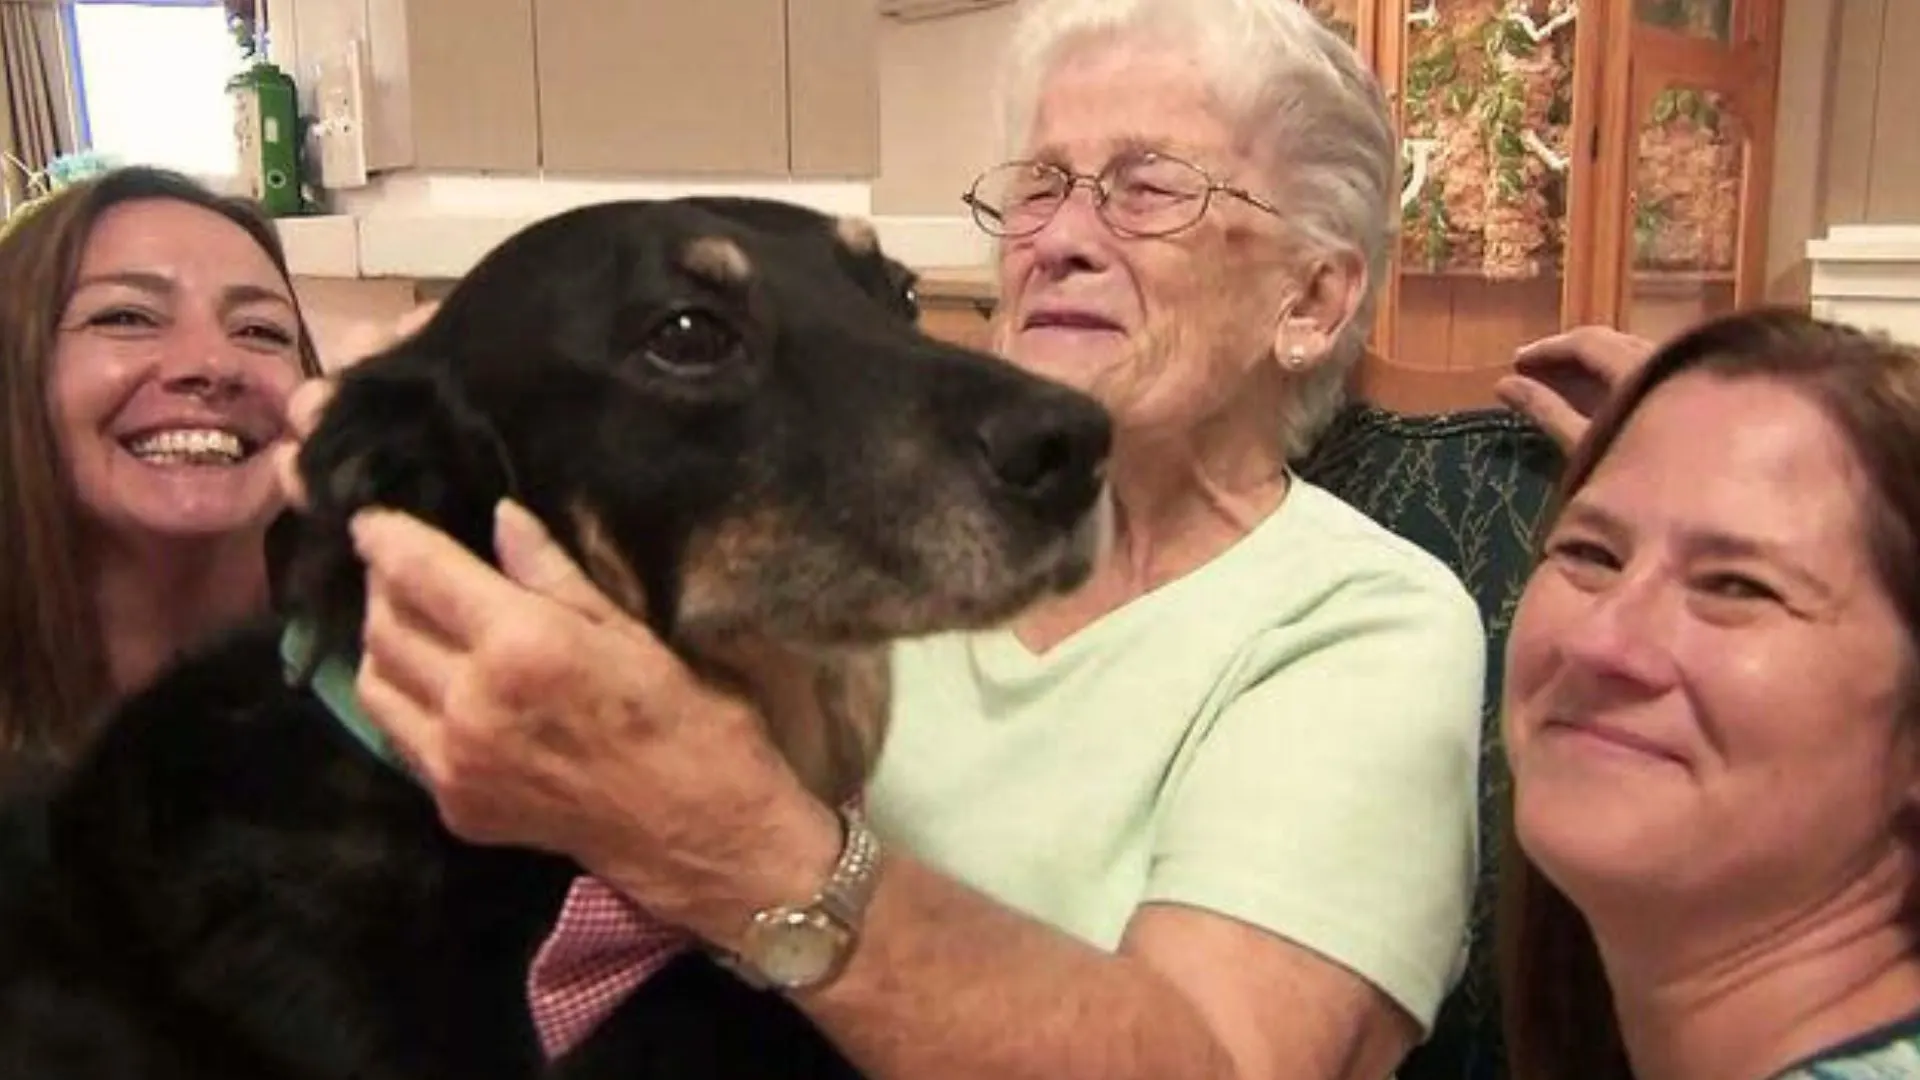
[
  {"x": 908, "y": 283},
  {"x": 691, "y": 342}
]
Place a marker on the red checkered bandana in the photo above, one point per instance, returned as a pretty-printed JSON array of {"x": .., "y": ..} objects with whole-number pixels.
[{"x": 601, "y": 949}]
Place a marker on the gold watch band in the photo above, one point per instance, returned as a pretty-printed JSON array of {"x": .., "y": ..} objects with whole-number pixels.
[
  {"x": 849, "y": 889},
  {"x": 805, "y": 946}
]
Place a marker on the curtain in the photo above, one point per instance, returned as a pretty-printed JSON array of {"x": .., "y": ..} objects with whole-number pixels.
[{"x": 39, "y": 110}]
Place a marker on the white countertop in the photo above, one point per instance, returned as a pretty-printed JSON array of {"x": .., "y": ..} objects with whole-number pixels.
[
  {"x": 1866, "y": 243},
  {"x": 425, "y": 226}
]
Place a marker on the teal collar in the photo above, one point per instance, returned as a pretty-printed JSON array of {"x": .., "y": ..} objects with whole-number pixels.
[{"x": 332, "y": 683}]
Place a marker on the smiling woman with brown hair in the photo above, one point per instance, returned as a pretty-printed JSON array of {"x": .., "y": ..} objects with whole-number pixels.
[
  {"x": 1712, "y": 697},
  {"x": 148, "y": 338}
]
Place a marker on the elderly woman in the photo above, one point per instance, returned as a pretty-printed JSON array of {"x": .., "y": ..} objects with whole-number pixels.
[
  {"x": 148, "y": 340},
  {"x": 1712, "y": 690},
  {"x": 1210, "y": 816}
]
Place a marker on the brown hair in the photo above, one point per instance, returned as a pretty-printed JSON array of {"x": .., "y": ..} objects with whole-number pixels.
[
  {"x": 52, "y": 664},
  {"x": 1559, "y": 1016}
]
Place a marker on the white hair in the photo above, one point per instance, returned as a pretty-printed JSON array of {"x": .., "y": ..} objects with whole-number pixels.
[{"x": 1312, "y": 113}]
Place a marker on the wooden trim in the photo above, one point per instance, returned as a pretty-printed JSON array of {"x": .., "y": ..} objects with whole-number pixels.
[
  {"x": 1366, "y": 29},
  {"x": 1584, "y": 176},
  {"x": 1619, "y": 136},
  {"x": 1413, "y": 390},
  {"x": 1762, "y": 98},
  {"x": 1701, "y": 58},
  {"x": 1757, "y": 22},
  {"x": 1384, "y": 45}
]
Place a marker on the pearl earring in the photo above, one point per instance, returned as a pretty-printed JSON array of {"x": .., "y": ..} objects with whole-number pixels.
[{"x": 1296, "y": 356}]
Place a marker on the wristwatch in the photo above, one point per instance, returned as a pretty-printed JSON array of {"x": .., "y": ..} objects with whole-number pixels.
[{"x": 792, "y": 947}]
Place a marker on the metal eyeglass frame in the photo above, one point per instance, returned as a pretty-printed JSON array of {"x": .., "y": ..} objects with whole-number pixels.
[{"x": 990, "y": 219}]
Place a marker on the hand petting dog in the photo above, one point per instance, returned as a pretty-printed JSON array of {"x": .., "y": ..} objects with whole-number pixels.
[
  {"x": 539, "y": 714},
  {"x": 459, "y": 803}
]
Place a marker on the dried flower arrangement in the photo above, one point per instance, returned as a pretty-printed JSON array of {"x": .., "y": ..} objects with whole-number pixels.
[{"x": 1488, "y": 101}]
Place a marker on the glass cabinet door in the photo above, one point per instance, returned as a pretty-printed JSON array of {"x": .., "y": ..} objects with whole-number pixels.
[
  {"x": 1710, "y": 19},
  {"x": 1486, "y": 102},
  {"x": 1568, "y": 161},
  {"x": 1688, "y": 145},
  {"x": 1688, "y": 184}
]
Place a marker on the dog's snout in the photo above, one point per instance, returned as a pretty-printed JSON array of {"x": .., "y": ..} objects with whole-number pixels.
[{"x": 1048, "y": 455}]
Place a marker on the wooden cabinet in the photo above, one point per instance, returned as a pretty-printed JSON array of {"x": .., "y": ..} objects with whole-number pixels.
[
  {"x": 957, "y": 318},
  {"x": 744, "y": 88},
  {"x": 663, "y": 86},
  {"x": 833, "y": 88},
  {"x": 449, "y": 84},
  {"x": 452, "y": 84},
  {"x": 1567, "y": 161}
]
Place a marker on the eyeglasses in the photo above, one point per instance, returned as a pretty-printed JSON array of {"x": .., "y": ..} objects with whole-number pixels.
[{"x": 1142, "y": 195}]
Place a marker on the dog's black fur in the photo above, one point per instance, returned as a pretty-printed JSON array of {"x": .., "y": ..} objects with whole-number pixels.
[{"x": 722, "y": 409}]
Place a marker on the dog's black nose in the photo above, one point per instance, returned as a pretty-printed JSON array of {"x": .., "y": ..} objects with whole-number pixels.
[{"x": 1049, "y": 454}]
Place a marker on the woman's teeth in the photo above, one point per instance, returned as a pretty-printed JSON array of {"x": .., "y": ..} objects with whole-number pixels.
[{"x": 198, "y": 447}]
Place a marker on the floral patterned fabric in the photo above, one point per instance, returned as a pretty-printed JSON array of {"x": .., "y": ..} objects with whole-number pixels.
[{"x": 1470, "y": 488}]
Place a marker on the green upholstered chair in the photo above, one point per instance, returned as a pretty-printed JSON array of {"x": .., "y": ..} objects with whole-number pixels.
[{"x": 1470, "y": 487}]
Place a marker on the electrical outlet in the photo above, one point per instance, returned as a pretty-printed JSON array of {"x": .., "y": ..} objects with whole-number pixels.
[{"x": 340, "y": 117}]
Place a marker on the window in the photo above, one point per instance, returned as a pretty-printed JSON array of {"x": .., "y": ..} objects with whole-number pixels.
[{"x": 152, "y": 77}]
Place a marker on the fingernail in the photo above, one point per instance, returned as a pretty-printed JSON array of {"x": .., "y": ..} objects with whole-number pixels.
[
  {"x": 508, "y": 515},
  {"x": 365, "y": 527},
  {"x": 516, "y": 526}
]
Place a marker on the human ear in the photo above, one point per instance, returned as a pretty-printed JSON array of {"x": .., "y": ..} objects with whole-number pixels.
[{"x": 1305, "y": 336}]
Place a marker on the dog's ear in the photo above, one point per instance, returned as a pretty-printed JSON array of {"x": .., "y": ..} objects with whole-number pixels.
[
  {"x": 397, "y": 433},
  {"x": 890, "y": 282}
]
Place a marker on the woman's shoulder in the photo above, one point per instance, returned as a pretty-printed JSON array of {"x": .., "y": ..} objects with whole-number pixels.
[
  {"x": 1318, "y": 539},
  {"x": 1887, "y": 1053},
  {"x": 1320, "y": 577}
]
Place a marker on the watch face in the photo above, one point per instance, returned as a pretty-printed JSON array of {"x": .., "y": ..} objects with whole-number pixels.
[{"x": 795, "y": 947}]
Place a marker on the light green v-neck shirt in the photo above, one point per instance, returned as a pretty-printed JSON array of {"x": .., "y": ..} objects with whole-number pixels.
[{"x": 1288, "y": 736}]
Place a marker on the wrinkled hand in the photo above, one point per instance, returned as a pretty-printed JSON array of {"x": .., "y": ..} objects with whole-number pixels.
[
  {"x": 540, "y": 715},
  {"x": 1561, "y": 381}
]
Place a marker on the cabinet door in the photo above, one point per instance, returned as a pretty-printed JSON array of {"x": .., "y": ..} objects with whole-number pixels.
[
  {"x": 833, "y": 87},
  {"x": 663, "y": 86},
  {"x": 959, "y": 321},
  {"x": 1491, "y": 97},
  {"x": 468, "y": 82},
  {"x": 1688, "y": 143},
  {"x": 1694, "y": 206}
]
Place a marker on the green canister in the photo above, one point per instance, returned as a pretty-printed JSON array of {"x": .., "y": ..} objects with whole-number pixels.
[{"x": 266, "y": 117}]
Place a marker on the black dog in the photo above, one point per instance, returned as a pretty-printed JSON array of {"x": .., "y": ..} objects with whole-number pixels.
[{"x": 723, "y": 410}]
